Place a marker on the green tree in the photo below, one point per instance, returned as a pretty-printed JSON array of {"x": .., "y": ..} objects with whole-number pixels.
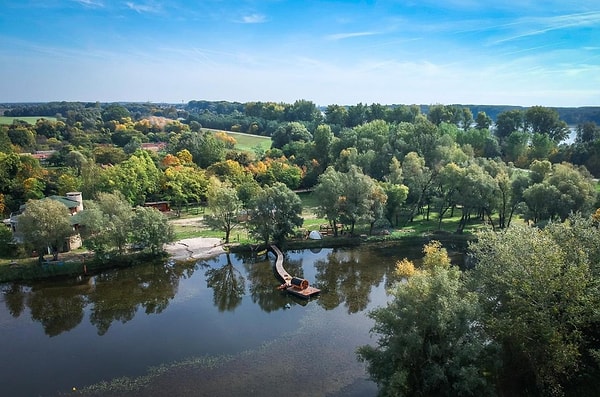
[
  {"x": 290, "y": 132},
  {"x": 184, "y": 184},
  {"x": 115, "y": 112},
  {"x": 75, "y": 159},
  {"x": 541, "y": 199},
  {"x": 466, "y": 119},
  {"x": 509, "y": 122},
  {"x": 587, "y": 132},
  {"x": 541, "y": 146},
  {"x": 376, "y": 111},
  {"x": 348, "y": 197},
  {"x": 402, "y": 113},
  {"x": 95, "y": 229},
  {"x": 136, "y": 178},
  {"x": 505, "y": 210},
  {"x": 429, "y": 340},
  {"x": 372, "y": 147},
  {"x": 275, "y": 213},
  {"x": 539, "y": 170},
  {"x": 117, "y": 213},
  {"x": 482, "y": 121},
  {"x": 446, "y": 190},
  {"x": 151, "y": 229},
  {"x": 419, "y": 179},
  {"x": 396, "y": 197},
  {"x": 323, "y": 138},
  {"x": 564, "y": 189},
  {"x": 224, "y": 206},
  {"x": 356, "y": 115},
  {"x": 49, "y": 129},
  {"x": 438, "y": 114},
  {"x": 328, "y": 192},
  {"x": 478, "y": 195},
  {"x": 5, "y": 143},
  {"x": 22, "y": 137},
  {"x": 539, "y": 294},
  {"x": 546, "y": 121},
  {"x": 45, "y": 224},
  {"x": 109, "y": 155},
  {"x": 203, "y": 146},
  {"x": 336, "y": 115},
  {"x": 515, "y": 147},
  {"x": 303, "y": 110},
  {"x": 357, "y": 199},
  {"x": 394, "y": 172}
]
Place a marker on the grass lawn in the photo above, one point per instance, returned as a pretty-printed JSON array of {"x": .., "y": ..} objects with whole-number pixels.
[
  {"x": 29, "y": 119},
  {"x": 247, "y": 141}
]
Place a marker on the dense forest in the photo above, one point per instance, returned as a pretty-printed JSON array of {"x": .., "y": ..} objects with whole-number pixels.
[{"x": 491, "y": 168}]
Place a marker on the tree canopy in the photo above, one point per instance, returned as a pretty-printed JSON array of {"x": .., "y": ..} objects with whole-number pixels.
[
  {"x": 521, "y": 322},
  {"x": 45, "y": 225}
]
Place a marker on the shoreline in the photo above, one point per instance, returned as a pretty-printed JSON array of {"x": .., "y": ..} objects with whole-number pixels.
[
  {"x": 189, "y": 249},
  {"x": 195, "y": 248}
]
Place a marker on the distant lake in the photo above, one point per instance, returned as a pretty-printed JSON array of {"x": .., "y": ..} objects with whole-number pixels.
[{"x": 216, "y": 327}]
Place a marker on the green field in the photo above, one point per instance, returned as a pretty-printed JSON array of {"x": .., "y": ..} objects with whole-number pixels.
[
  {"x": 29, "y": 119},
  {"x": 247, "y": 141}
]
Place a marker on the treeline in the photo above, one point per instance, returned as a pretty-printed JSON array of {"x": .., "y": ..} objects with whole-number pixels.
[
  {"x": 416, "y": 163},
  {"x": 571, "y": 115}
]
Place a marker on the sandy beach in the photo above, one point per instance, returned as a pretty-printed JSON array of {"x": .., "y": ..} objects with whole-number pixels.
[{"x": 195, "y": 248}]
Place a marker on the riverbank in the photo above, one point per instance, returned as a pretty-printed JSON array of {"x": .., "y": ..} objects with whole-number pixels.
[{"x": 195, "y": 248}]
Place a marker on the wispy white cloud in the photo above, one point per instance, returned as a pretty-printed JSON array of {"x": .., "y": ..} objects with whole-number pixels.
[
  {"x": 547, "y": 24},
  {"x": 143, "y": 8},
  {"x": 90, "y": 3},
  {"x": 342, "y": 36},
  {"x": 253, "y": 18}
]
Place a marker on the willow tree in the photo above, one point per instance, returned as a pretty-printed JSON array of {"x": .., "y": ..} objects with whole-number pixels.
[
  {"x": 224, "y": 206},
  {"x": 45, "y": 224},
  {"x": 275, "y": 213},
  {"x": 429, "y": 340},
  {"x": 539, "y": 291}
]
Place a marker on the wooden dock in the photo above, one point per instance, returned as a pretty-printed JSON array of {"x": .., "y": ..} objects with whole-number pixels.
[{"x": 292, "y": 285}]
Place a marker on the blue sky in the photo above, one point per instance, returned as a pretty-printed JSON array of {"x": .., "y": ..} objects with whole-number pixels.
[{"x": 521, "y": 52}]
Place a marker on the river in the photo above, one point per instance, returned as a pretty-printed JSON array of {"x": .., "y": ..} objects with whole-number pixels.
[{"x": 214, "y": 327}]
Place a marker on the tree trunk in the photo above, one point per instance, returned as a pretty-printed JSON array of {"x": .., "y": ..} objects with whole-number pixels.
[
  {"x": 227, "y": 233},
  {"x": 334, "y": 227},
  {"x": 55, "y": 254}
]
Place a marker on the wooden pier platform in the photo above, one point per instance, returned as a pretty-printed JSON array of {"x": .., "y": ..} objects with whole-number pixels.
[{"x": 292, "y": 285}]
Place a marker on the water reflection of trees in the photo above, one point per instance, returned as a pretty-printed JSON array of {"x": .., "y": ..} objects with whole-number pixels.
[
  {"x": 118, "y": 295},
  {"x": 346, "y": 277},
  {"x": 228, "y": 284},
  {"x": 263, "y": 280},
  {"x": 112, "y": 296},
  {"x": 57, "y": 309},
  {"x": 14, "y": 297}
]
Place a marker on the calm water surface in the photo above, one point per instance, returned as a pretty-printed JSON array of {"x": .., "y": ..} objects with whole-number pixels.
[{"x": 217, "y": 327}]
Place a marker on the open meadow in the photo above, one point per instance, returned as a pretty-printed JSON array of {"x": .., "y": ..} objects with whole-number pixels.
[
  {"x": 29, "y": 119},
  {"x": 247, "y": 141}
]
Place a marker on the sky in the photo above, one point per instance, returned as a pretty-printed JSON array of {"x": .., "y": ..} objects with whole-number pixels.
[{"x": 510, "y": 52}]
